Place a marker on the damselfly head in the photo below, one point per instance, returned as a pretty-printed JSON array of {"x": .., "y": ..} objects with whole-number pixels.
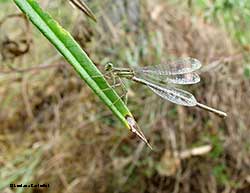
[{"x": 109, "y": 66}]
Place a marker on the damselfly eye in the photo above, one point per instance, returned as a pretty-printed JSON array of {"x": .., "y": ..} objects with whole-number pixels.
[{"x": 108, "y": 66}]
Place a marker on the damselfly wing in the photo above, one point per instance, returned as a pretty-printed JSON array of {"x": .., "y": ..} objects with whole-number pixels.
[
  {"x": 180, "y": 71},
  {"x": 180, "y": 79},
  {"x": 160, "y": 79},
  {"x": 175, "y": 95},
  {"x": 172, "y": 67}
]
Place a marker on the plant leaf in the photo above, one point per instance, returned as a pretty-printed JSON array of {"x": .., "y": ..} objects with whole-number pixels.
[{"x": 73, "y": 53}]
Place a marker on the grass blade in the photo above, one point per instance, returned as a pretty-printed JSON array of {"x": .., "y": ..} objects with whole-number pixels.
[
  {"x": 73, "y": 53},
  {"x": 84, "y": 8}
]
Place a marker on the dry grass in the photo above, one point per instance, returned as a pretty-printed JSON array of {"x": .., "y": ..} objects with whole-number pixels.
[{"x": 85, "y": 149}]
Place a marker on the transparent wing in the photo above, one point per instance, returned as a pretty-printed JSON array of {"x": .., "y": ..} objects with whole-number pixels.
[
  {"x": 175, "y": 95},
  {"x": 188, "y": 78},
  {"x": 172, "y": 67}
]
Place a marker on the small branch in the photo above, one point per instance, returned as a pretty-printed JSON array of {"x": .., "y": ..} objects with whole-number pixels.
[
  {"x": 197, "y": 151},
  {"x": 45, "y": 65}
]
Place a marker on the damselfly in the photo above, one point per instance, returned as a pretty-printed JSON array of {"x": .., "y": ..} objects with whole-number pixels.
[{"x": 161, "y": 79}]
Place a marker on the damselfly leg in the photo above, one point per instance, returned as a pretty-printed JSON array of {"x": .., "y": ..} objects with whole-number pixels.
[
  {"x": 124, "y": 90},
  {"x": 121, "y": 84},
  {"x": 105, "y": 75},
  {"x": 117, "y": 82}
]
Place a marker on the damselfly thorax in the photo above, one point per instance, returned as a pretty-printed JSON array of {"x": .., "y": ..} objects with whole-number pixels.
[{"x": 163, "y": 79}]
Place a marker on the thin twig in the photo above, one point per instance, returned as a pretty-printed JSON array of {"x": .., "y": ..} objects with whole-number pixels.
[{"x": 45, "y": 65}]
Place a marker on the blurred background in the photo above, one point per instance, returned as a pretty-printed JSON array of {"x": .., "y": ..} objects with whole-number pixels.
[{"x": 54, "y": 130}]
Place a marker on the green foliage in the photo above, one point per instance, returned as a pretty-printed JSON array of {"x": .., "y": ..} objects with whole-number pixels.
[
  {"x": 220, "y": 170},
  {"x": 233, "y": 14},
  {"x": 221, "y": 175},
  {"x": 247, "y": 72},
  {"x": 150, "y": 167},
  {"x": 4, "y": 1},
  {"x": 217, "y": 147},
  {"x": 172, "y": 113}
]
